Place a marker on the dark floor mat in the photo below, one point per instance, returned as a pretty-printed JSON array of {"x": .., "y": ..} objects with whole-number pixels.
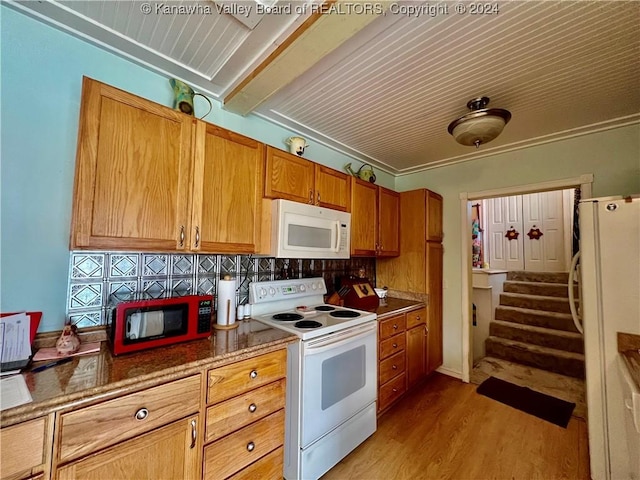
[{"x": 543, "y": 406}]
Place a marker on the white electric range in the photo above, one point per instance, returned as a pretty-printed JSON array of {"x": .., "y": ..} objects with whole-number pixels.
[{"x": 331, "y": 373}]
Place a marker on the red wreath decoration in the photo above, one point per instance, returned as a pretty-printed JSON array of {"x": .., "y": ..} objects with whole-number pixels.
[
  {"x": 512, "y": 234},
  {"x": 534, "y": 233}
]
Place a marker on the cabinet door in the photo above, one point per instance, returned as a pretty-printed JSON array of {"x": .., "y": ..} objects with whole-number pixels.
[
  {"x": 416, "y": 354},
  {"x": 364, "y": 218},
  {"x": 169, "y": 452},
  {"x": 388, "y": 223},
  {"x": 333, "y": 188},
  {"x": 289, "y": 177},
  {"x": 227, "y": 191},
  {"x": 434, "y": 217},
  {"x": 25, "y": 448},
  {"x": 434, "y": 310},
  {"x": 132, "y": 181}
]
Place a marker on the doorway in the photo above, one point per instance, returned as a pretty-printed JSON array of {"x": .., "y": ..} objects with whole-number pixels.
[{"x": 467, "y": 199}]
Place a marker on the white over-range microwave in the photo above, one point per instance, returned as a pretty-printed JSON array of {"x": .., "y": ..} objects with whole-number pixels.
[{"x": 300, "y": 230}]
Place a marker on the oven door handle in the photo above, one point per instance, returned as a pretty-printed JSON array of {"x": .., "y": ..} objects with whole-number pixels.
[{"x": 314, "y": 347}]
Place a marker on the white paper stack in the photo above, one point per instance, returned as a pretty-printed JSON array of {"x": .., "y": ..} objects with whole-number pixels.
[{"x": 14, "y": 340}]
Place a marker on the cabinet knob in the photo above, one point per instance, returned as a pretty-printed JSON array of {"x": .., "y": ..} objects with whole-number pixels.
[
  {"x": 253, "y": 407},
  {"x": 141, "y": 414},
  {"x": 251, "y": 446},
  {"x": 418, "y": 317},
  {"x": 253, "y": 374},
  {"x": 394, "y": 390},
  {"x": 395, "y": 326},
  {"x": 395, "y": 345},
  {"x": 395, "y": 367}
]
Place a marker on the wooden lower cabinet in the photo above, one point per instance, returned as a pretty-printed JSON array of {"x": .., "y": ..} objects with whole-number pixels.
[
  {"x": 169, "y": 452},
  {"x": 25, "y": 449},
  {"x": 392, "y": 360},
  {"x": 402, "y": 355},
  {"x": 244, "y": 427}
]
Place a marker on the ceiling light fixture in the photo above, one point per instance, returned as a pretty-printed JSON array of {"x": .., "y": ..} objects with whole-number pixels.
[{"x": 481, "y": 125}]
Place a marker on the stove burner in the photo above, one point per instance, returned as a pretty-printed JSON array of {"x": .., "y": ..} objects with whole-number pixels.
[
  {"x": 344, "y": 314},
  {"x": 325, "y": 308},
  {"x": 307, "y": 324},
  {"x": 287, "y": 317}
]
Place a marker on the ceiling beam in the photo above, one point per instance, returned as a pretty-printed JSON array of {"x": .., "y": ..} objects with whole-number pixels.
[{"x": 327, "y": 28}]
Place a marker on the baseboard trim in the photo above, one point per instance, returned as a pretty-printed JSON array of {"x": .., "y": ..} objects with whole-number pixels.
[{"x": 449, "y": 372}]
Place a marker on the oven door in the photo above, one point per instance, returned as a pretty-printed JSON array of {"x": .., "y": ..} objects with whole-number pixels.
[{"x": 339, "y": 379}]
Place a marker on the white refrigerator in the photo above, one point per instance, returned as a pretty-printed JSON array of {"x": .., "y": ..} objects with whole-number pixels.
[{"x": 610, "y": 296}]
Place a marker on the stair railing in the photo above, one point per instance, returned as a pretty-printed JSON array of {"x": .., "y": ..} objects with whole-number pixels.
[{"x": 573, "y": 271}]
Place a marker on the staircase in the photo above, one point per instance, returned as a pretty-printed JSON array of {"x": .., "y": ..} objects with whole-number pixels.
[{"x": 533, "y": 324}]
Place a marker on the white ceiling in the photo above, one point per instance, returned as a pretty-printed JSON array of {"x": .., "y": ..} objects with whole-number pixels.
[{"x": 385, "y": 89}]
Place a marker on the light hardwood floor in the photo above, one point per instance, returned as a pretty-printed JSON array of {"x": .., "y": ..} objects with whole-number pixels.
[{"x": 445, "y": 430}]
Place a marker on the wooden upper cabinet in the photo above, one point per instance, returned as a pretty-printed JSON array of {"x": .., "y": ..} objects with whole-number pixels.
[
  {"x": 293, "y": 178},
  {"x": 434, "y": 216},
  {"x": 364, "y": 218},
  {"x": 288, "y": 176},
  {"x": 333, "y": 188},
  {"x": 151, "y": 178},
  {"x": 388, "y": 223},
  {"x": 132, "y": 177},
  {"x": 227, "y": 191}
]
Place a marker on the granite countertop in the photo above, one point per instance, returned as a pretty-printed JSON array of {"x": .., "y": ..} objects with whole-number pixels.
[
  {"x": 629, "y": 348},
  {"x": 93, "y": 377},
  {"x": 392, "y": 306}
]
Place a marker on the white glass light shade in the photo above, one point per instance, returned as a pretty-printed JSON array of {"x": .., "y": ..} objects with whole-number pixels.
[
  {"x": 478, "y": 130},
  {"x": 481, "y": 125}
]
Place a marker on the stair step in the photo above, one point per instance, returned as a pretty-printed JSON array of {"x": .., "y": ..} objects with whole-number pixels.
[
  {"x": 536, "y": 302},
  {"x": 538, "y": 288},
  {"x": 545, "y": 337},
  {"x": 548, "y": 277},
  {"x": 536, "y": 318},
  {"x": 550, "y": 359}
]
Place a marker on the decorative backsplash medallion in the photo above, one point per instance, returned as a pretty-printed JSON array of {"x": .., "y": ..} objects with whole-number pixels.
[{"x": 94, "y": 276}]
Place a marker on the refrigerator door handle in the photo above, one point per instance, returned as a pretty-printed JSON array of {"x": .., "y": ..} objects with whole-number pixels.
[{"x": 572, "y": 304}]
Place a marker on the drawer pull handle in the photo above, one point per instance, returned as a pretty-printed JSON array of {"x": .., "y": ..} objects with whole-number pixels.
[
  {"x": 395, "y": 367},
  {"x": 253, "y": 374},
  {"x": 141, "y": 414},
  {"x": 418, "y": 317},
  {"x": 253, "y": 407},
  {"x": 395, "y": 390},
  {"x": 194, "y": 434},
  {"x": 395, "y": 345},
  {"x": 251, "y": 446},
  {"x": 395, "y": 326}
]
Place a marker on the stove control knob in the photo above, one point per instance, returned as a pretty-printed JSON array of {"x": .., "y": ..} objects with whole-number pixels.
[
  {"x": 303, "y": 288},
  {"x": 263, "y": 292},
  {"x": 272, "y": 291},
  {"x": 314, "y": 286}
]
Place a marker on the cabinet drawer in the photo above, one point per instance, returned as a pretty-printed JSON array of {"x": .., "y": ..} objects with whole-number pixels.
[
  {"x": 231, "y": 380},
  {"x": 391, "y": 391},
  {"x": 89, "y": 429},
  {"x": 392, "y": 366},
  {"x": 22, "y": 448},
  {"x": 269, "y": 467},
  {"x": 392, "y": 326},
  {"x": 417, "y": 317},
  {"x": 392, "y": 345},
  {"x": 225, "y": 417},
  {"x": 234, "y": 452}
]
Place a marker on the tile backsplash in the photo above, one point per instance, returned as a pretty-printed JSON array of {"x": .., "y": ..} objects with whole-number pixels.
[{"x": 94, "y": 276}]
